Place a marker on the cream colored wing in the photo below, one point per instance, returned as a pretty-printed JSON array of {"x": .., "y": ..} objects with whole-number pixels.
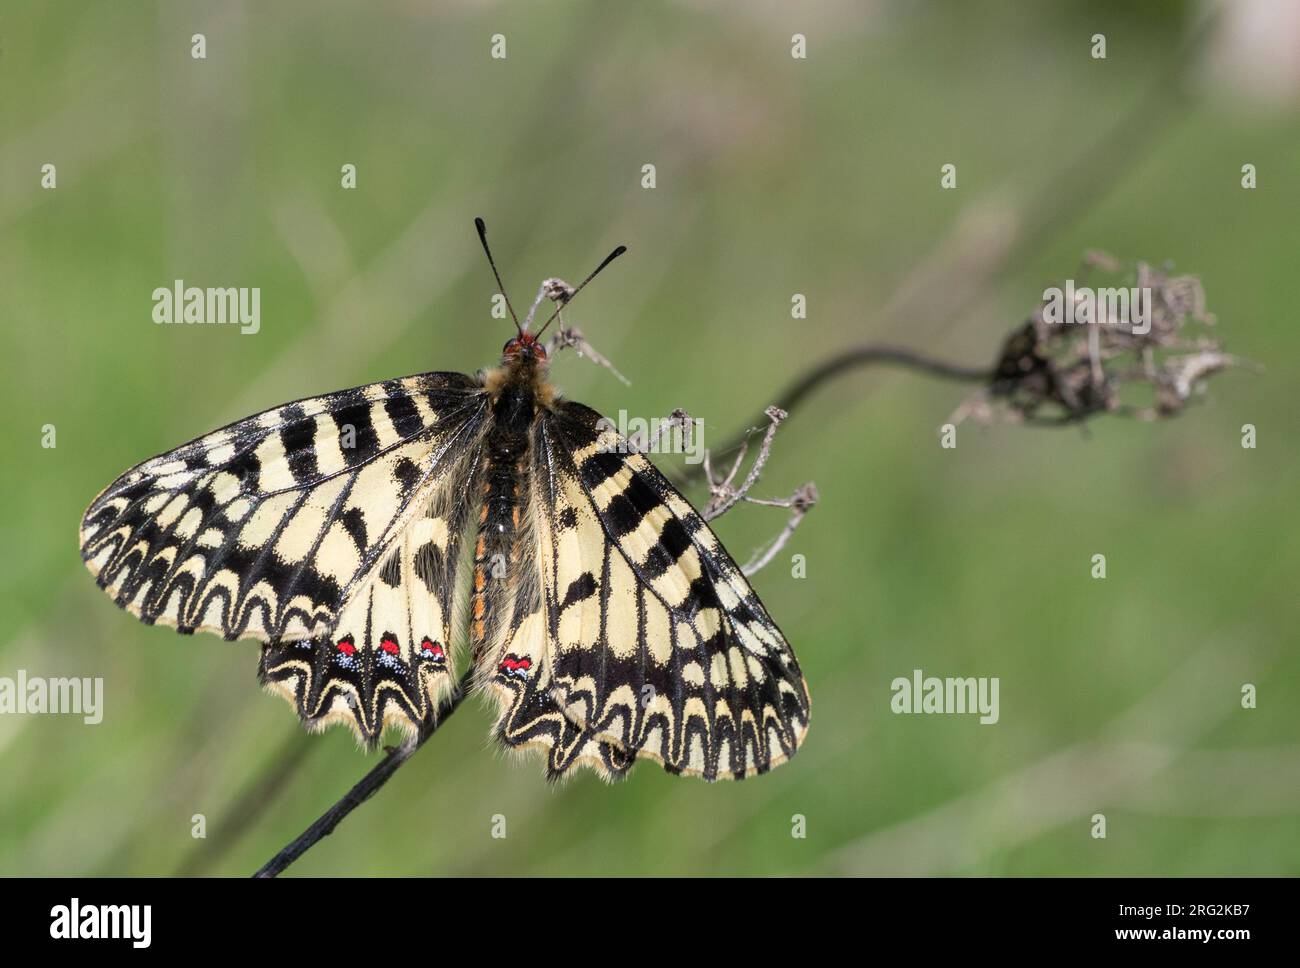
[
  {"x": 387, "y": 659},
  {"x": 310, "y": 527},
  {"x": 511, "y": 663},
  {"x": 646, "y": 639}
]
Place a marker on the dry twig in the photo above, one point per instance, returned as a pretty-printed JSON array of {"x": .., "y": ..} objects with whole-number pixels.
[{"x": 724, "y": 495}]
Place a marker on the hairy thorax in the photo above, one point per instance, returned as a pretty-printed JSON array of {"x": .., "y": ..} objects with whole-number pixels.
[{"x": 523, "y": 378}]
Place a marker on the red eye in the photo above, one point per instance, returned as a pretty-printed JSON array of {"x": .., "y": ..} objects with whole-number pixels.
[{"x": 526, "y": 346}]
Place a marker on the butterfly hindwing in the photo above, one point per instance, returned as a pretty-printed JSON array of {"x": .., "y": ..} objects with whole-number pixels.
[
  {"x": 531, "y": 718},
  {"x": 655, "y": 644}
]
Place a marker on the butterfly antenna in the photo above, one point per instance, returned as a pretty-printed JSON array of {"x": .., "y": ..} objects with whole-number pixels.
[
  {"x": 594, "y": 272},
  {"x": 482, "y": 234}
]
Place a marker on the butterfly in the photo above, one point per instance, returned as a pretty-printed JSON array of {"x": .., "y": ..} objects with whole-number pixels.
[{"x": 368, "y": 538}]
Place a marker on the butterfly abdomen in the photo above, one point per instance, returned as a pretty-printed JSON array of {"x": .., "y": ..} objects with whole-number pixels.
[{"x": 503, "y": 505}]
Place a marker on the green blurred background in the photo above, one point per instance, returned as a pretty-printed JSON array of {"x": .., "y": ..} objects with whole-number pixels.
[{"x": 774, "y": 176}]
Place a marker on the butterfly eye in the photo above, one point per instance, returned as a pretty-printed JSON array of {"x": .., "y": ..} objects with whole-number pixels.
[{"x": 510, "y": 345}]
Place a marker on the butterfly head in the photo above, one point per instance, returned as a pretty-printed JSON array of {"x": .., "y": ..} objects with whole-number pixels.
[
  {"x": 525, "y": 348},
  {"x": 525, "y": 352}
]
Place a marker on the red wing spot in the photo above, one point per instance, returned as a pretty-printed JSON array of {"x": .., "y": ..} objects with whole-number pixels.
[
  {"x": 346, "y": 647},
  {"x": 427, "y": 645},
  {"x": 516, "y": 664},
  {"x": 389, "y": 645}
]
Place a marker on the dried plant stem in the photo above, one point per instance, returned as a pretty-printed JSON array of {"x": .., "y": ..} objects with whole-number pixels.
[
  {"x": 367, "y": 787},
  {"x": 844, "y": 362},
  {"x": 723, "y": 495}
]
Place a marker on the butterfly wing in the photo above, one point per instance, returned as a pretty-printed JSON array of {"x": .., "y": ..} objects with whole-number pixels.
[
  {"x": 387, "y": 658},
  {"x": 307, "y": 527},
  {"x": 653, "y": 644},
  {"x": 513, "y": 667},
  {"x": 509, "y": 637}
]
